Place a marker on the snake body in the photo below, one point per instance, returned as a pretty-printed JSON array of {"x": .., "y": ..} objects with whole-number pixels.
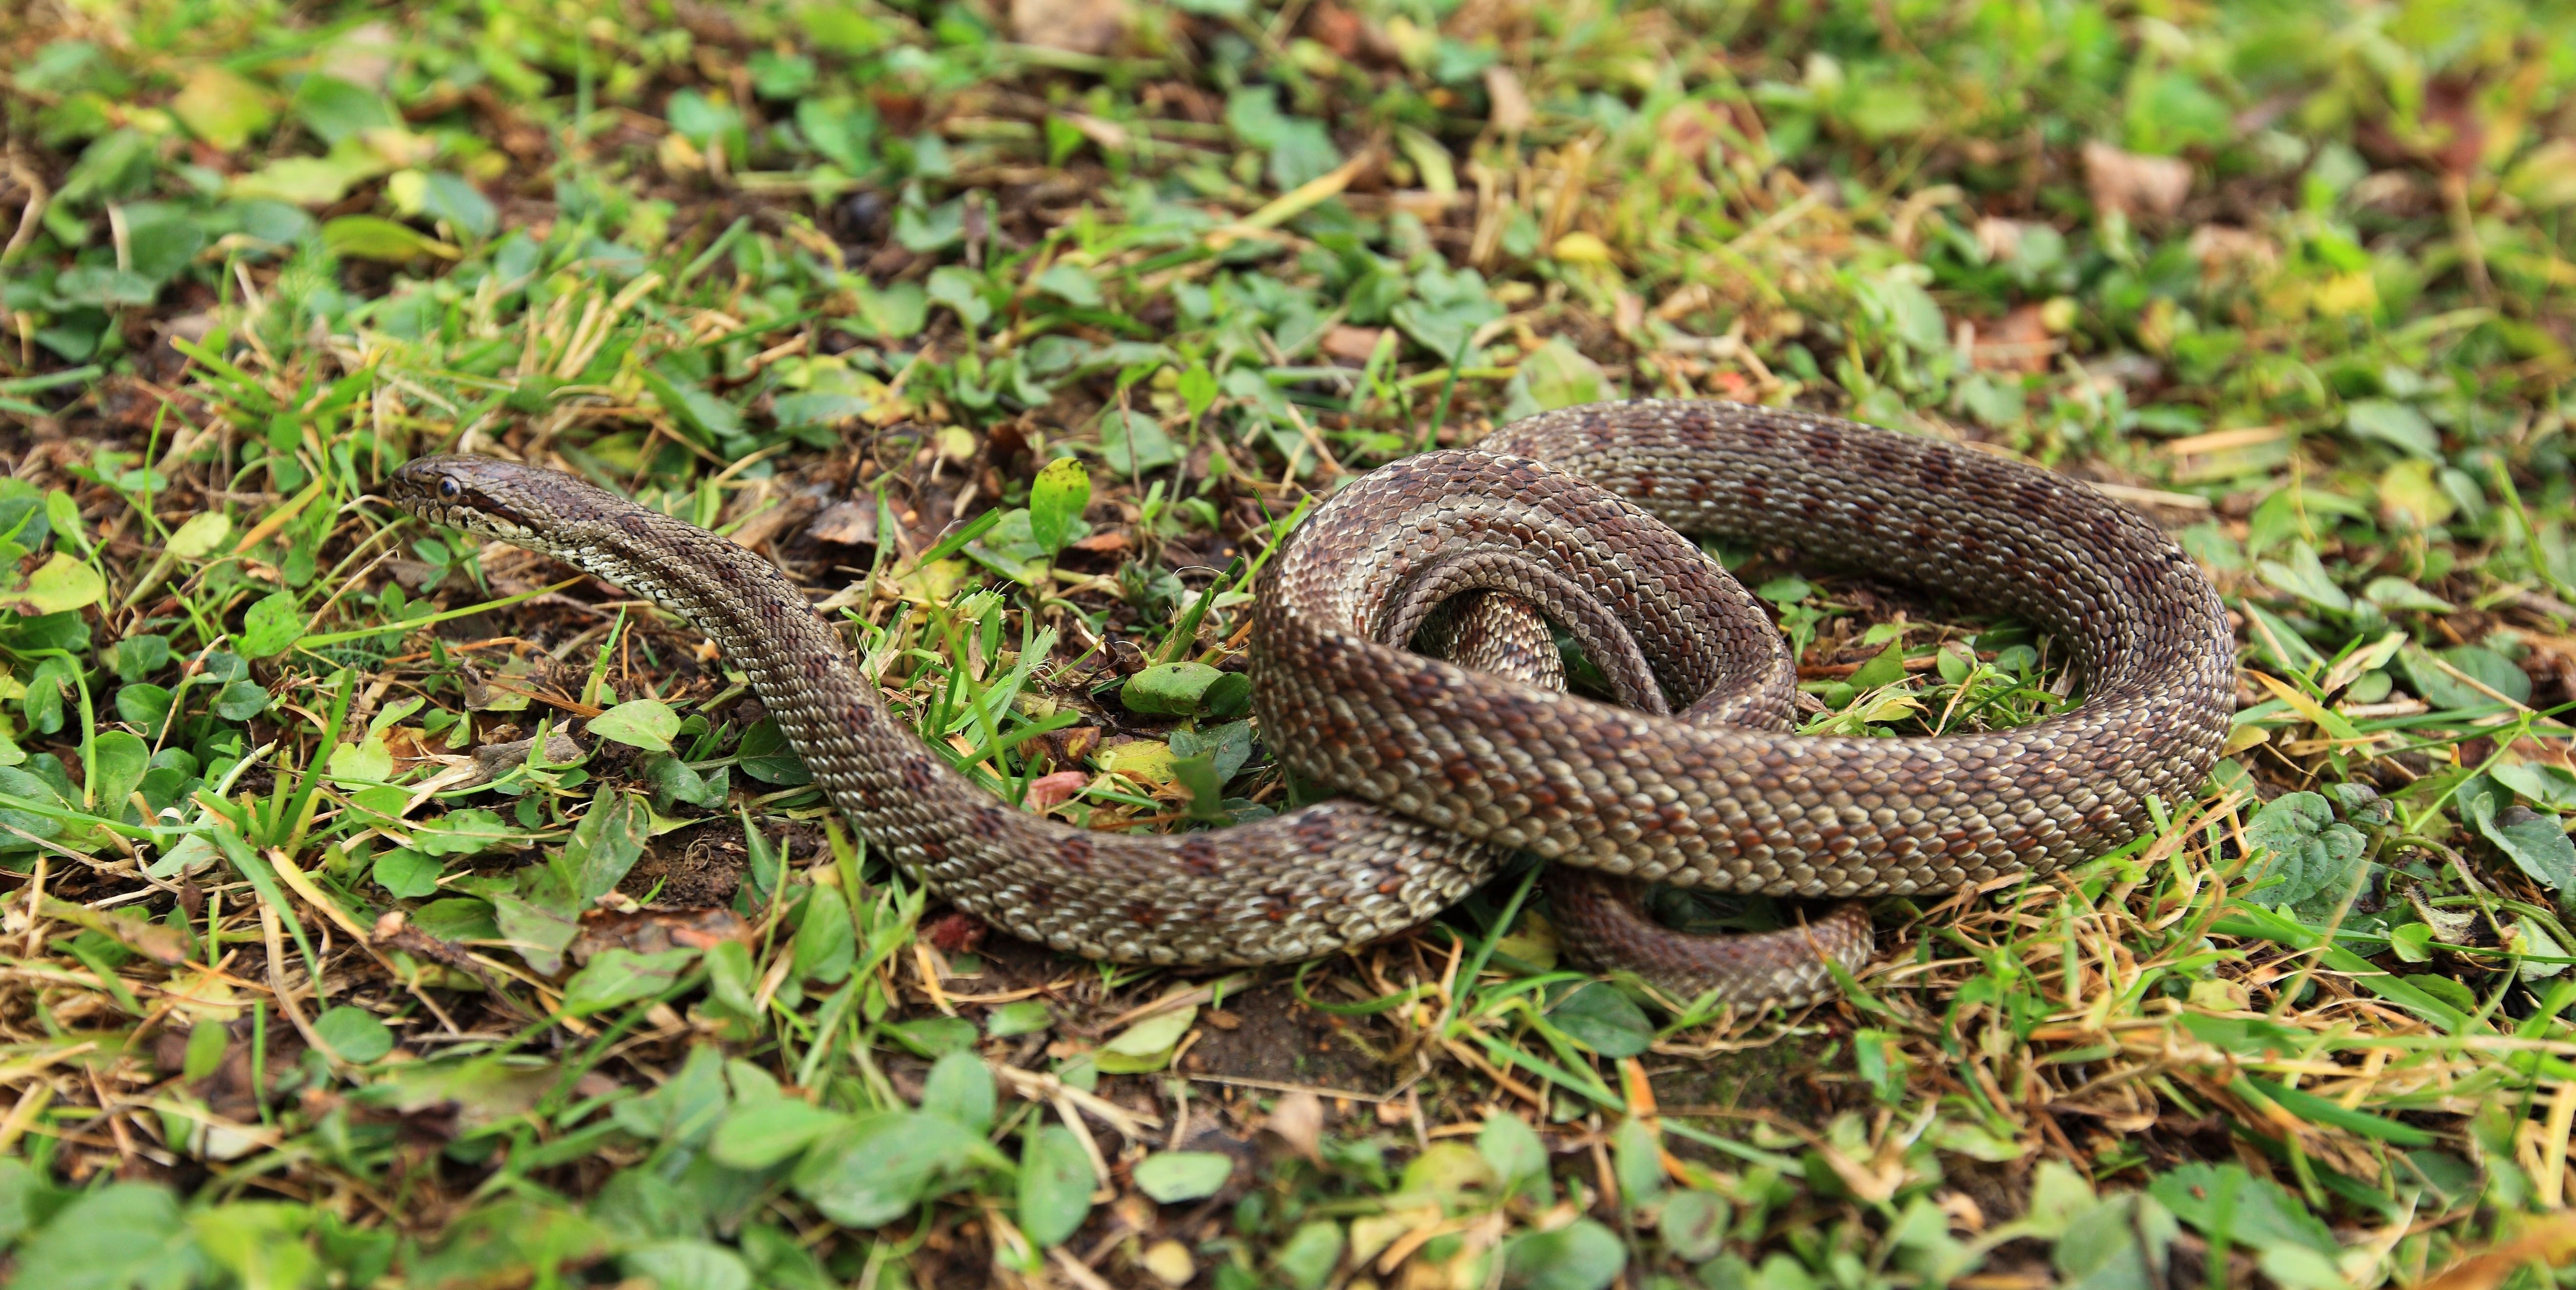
[{"x": 1573, "y": 517}]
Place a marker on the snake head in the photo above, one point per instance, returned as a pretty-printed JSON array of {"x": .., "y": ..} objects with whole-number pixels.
[{"x": 480, "y": 495}]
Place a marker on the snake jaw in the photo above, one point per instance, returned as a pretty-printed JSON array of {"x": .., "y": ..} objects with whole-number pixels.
[{"x": 470, "y": 493}]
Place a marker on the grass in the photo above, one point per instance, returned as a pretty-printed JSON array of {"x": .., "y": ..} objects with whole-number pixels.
[{"x": 385, "y": 910}]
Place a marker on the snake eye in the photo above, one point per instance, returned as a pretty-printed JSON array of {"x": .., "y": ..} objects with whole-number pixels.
[{"x": 449, "y": 488}]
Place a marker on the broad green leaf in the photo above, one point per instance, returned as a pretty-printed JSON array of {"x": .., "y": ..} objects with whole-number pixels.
[
  {"x": 262, "y": 1243},
  {"x": 1168, "y": 689},
  {"x": 1174, "y": 1176},
  {"x": 875, "y": 1171},
  {"x": 1309, "y": 1255},
  {"x": 1600, "y": 1018},
  {"x": 648, "y": 724},
  {"x": 354, "y": 1033},
  {"x": 223, "y": 107},
  {"x": 605, "y": 845},
  {"x": 2393, "y": 423},
  {"x": 765, "y": 755},
  {"x": 62, "y": 583},
  {"x": 2535, "y": 843},
  {"x": 120, "y": 1235},
  {"x": 270, "y": 625},
  {"x": 1018, "y": 1017},
  {"x": 1512, "y": 1149},
  {"x": 1694, "y": 1225},
  {"x": 687, "y": 1265},
  {"x": 1583, "y": 1255},
  {"x": 406, "y": 873},
  {"x": 1056, "y": 502},
  {"x": 2303, "y": 855},
  {"x": 758, "y": 1136},
  {"x": 372, "y": 237},
  {"x": 471, "y": 831},
  {"x": 1147, "y": 1045},
  {"x": 618, "y": 976},
  {"x": 826, "y": 945},
  {"x": 1055, "y": 1185},
  {"x": 961, "y": 1089},
  {"x": 1559, "y": 376}
]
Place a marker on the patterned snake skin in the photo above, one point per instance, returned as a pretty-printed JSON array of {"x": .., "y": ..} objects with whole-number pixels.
[{"x": 1578, "y": 513}]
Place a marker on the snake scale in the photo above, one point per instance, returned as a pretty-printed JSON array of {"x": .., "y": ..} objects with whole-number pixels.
[{"x": 1574, "y": 517}]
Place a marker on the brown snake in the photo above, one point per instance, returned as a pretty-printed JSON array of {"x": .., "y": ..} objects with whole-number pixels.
[{"x": 1579, "y": 514}]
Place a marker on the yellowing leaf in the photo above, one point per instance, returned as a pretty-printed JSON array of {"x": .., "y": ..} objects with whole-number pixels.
[
  {"x": 200, "y": 535},
  {"x": 223, "y": 107},
  {"x": 63, "y": 583}
]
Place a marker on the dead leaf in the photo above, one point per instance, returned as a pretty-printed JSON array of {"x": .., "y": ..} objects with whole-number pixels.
[
  {"x": 2219, "y": 247},
  {"x": 651, "y": 932},
  {"x": 850, "y": 523},
  {"x": 1076, "y": 26},
  {"x": 1352, "y": 344},
  {"x": 159, "y": 942},
  {"x": 1297, "y": 1121},
  {"x": 1999, "y": 238},
  {"x": 954, "y": 932},
  {"x": 2551, "y": 1240},
  {"x": 1109, "y": 542},
  {"x": 2126, "y": 181},
  {"x": 1048, "y": 792},
  {"x": 1511, "y": 113},
  {"x": 2018, "y": 342}
]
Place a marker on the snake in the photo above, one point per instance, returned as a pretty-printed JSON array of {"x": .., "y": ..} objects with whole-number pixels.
[{"x": 1404, "y": 659}]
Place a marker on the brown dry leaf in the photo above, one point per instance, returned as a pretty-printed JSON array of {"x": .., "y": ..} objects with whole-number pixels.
[
  {"x": 2219, "y": 247},
  {"x": 850, "y": 523},
  {"x": 651, "y": 932},
  {"x": 2125, "y": 181},
  {"x": 1352, "y": 344},
  {"x": 1297, "y": 1120},
  {"x": 1109, "y": 543},
  {"x": 2019, "y": 342},
  {"x": 1047, "y": 792},
  {"x": 1999, "y": 238},
  {"x": 1350, "y": 35},
  {"x": 1076, "y": 26},
  {"x": 1512, "y": 112},
  {"x": 2551, "y": 1240}
]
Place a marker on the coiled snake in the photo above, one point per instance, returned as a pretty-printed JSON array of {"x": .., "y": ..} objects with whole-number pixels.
[{"x": 1578, "y": 515}]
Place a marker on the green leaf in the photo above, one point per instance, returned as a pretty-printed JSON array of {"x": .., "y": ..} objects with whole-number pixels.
[
  {"x": 764, "y": 754},
  {"x": 1309, "y": 1255},
  {"x": 1055, "y": 1185},
  {"x": 2302, "y": 853},
  {"x": 1132, "y": 443},
  {"x": 604, "y": 845},
  {"x": 961, "y": 1089},
  {"x": 767, "y": 1133},
  {"x": 223, "y": 107},
  {"x": 2544, "y": 785},
  {"x": 687, "y": 1264},
  {"x": 354, "y": 1033},
  {"x": 120, "y": 1235},
  {"x": 2393, "y": 423},
  {"x": 1018, "y": 1017},
  {"x": 121, "y": 761},
  {"x": 471, "y": 831},
  {"x": 63, "y": 583},
  {"x": 1600, "y": 1018},
  {"x": 1559, "y": 376},
  {"x": 2305, "y": 577},
  {"x": 262, "y": 1243},
  {"x": 826, "y": 945},
  {"x": 1056, "y": 502},
  {"x": 1147, "y": 1045},
  {"x": 1885, "y": 669},
  {"x": 712, "y": 419},
  {"x": 1582, "y": 1255},
  {"x": 1512, "y": 1149},
  {"x": 618, "y": 976},
  {"x": 2485, "y": 666},
  {"x": 875, "y": 1171},
  {"x": 1174, "y": 1176},
  {"x": 1071, "y": 284},
  {"x": 368, "y": 762},
  {"x": 407, "y": 874},
  {"x": 1694, "y": 1226},
  {"x": 539, "y": 931},
  {"x": 2534, "y": 843},
  {"x": 648, "y": 724},
  {"x": 373, "y": 237},
  {"x": 1168, "y": 689},
  {"x": 270, "y": 625}
]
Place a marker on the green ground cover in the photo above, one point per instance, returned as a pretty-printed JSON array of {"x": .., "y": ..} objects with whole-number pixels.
[{"x": 383, "y": 909}]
